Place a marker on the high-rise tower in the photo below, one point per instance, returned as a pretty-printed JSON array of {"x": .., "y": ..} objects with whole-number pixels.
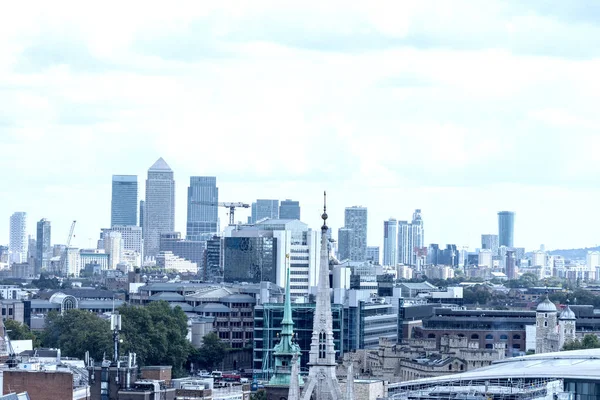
[
  {"x": 322, "y": 380},
  {"x": 355, "y": 218},
  {"x": 390, "y": 242},
  {"x": 264, "y": 208},
  {"x": 506, "y": 228},
  {"x": 123, "y": 207},
  {"x": 289, "y": 209},
  {"x": 17, "y": 245},
  {"x": 43, "y": 247},
  {"x": 202, "y": 208},
  {"x": 159, "y": 206}
]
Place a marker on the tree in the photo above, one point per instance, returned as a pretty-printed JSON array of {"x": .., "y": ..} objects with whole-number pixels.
[
  {"x": 477, "y": 294},
  {"x": 46, "y": 283},
  {"x": 77, "y": 331},
  {"x": 259, "y": 395},
  {"x": 19, "y": 331},
  {"x": 211, "y": 353},
  {"x": 589, "y": 341},
  {"x": 157, "y": 334}
]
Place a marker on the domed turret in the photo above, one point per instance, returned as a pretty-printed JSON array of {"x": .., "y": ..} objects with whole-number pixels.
[
  {"x": 567, "y": 314},
  {"x": 546, "y": 306}
]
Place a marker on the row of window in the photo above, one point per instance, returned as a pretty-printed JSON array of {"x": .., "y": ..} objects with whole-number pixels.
[{"x": 475, "y": 336}]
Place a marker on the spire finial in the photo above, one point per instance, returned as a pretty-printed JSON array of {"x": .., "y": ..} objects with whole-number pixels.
[{"x": 324, "y": 215}]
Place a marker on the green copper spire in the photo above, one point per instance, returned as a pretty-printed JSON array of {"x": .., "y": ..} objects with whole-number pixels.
[{"x": 286, "y": 349}]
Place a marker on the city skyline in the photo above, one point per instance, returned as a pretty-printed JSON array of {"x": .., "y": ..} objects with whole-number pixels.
[{"x": 374, "y": 118}]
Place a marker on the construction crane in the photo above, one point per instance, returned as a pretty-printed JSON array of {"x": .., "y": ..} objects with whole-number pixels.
[
  {"x": 63, "y": 263},
  {"x": 230, "y": 205}
]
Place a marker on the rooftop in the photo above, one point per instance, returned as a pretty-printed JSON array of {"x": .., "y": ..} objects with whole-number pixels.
[{"x": 160, "y": 165}]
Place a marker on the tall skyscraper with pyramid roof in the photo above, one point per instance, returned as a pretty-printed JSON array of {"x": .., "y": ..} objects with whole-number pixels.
[{"x": 159, "y": 206}]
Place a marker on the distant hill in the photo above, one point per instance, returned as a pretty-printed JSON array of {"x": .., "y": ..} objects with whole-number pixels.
[{"x": 573, "y": 254}]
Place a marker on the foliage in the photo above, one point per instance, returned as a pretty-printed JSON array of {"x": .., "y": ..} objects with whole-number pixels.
[
  {"x": 581, "y": 296},
  {"x": 77, "y": 331},
  {"x": 19, "y": 331},
  {"x": 526, "y": 280},
  {"x": 157, "y": 334},
  {"x": 259, "y": 395},
  {"x": 46, "y": 283},
  {"x": 589, "y": 341},
  {"x": 210, "y": 354},
  {"x": 476, "y": 294}
]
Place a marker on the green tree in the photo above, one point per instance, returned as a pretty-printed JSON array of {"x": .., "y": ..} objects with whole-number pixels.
[
  {"x": 589, "y": 341},
  {"x": 259, "y": 395},
  {"x": 157, "y": 334},
  {"x": 210, "y": 353},
  {"x": 19, "y": 331},
  {"x": 476, "y": 294},
  {"x": 77, "y": 331},
  {"x": 46, "y": 283}
]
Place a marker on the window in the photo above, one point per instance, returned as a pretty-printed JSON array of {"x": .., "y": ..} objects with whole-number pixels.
[
  {"x": 545, "y": 323},
  {"x": 516, "y": 337},
  {"x": 450, "y": 367},
  {"x": 431, "y": 336},
  {"x": 489, "y": 337},
  {"x": 516, "y": 346},
  {"x": 474, "y": 336},
  {"x": 503, "y": 337},
  {"x": 489, "y": 346},
  {"x": 322, "y": 344}
]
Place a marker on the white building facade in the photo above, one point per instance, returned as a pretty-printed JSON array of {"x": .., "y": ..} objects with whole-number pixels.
[{"x": 18, "y": 243}]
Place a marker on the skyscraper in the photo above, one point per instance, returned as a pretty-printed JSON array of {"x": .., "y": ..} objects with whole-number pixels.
[
  {"x": 202, "y": 208},
  {"x": 159, "y": 213},
  {"x": 17, "y": 246},
  {"x": 355, "y": 218},
  {"x": 289, "y": 209},
  {"x": 390, "y": 242},
  {"x": 506, "y": 228},
  {"x": 264, "y": 208},
  {"x": 490, "y": 242},
  {"x": 43, "y": 246},
  {"x": 411, "y": 237},
  {"x": 123, "y": 207},
  {"x": 142, "y": 213},
  {"x": 373, "y": 254}
]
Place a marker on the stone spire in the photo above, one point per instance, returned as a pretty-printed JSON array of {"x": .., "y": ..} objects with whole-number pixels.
[
  {"x": 322, "y": 380},
  {"x": 350, "y": 381},
  {"x": 294, "y": 392},
  {"x": 286, "y": 351}
]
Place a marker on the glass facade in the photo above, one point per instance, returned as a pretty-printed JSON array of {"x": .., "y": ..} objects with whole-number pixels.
[
  {"x": 355, "y": 218},
  {"x": 249, "y": 259},
  {"x": 506, "y": 228},
  {"x": 191, "y": 250},
  {"x": 43, "y": 249},
  {"x": 124, "y": 203},
  {"x": 289, "y": 209},
  {"x": 202, "y": 208},
  {"x": 267, "y": 324},
  {"x": 212, "y": 263},
  {"x": 159, "y": 208},
  {"x": 583, "y": 390},
  {"x": 265, "y": 209}
]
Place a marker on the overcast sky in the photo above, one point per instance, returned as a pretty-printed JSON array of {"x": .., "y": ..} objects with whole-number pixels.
[{"x": 460, "y": 108}]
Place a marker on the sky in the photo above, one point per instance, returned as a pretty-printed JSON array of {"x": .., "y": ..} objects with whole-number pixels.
[{"x": 460, "y": 108}]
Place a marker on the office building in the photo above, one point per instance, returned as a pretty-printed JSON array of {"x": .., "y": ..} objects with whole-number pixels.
[
  {"x": 142, "y": 212},
  {"x": 390, "y": 242},
  {"x": 202, "y": 208},
  {"x": 159, "y": 213},
  {"x": 289, "y": 209},
  {"x": 191, "y": 250},
  {"x": 131, "y": 235},
  {"x": 506, "y": 228},
  {"x": 411, "y": 238},
  {"x": 511, "y": 268},
  {"x": 275, "y": 239},
  {"x": 17, "y": 246},
  {"x": 43, "y": 246},
  {"x": 490, "y": 242},
  {"x": 263, "y": 208},
  {"x": 355, "y": 218},
  {"x": 123, "y": 207},
  {"x": 170, "y": 262},
  {"x": 343, "y": 245},
  {"x": 212, "y": 261},
  {"x": 373, "y": 254},
  {"x": 113, "y": 246}
]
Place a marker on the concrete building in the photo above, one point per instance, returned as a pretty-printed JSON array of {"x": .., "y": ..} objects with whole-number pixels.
[
  {"x": 289, "y": 209},
  {"x": 17, "y": 246},
  {"x": 592, "y": 260},
  {"x": 390, "y": 242},
  {"x": 93, "y": 256},
  {"x": 506, "y": 228},
  {"x": 191, "y": 250},
  {"x": 72, "y": 264},
  {"x": 411, "y": 238},
  {"x": 511, "y": 267},
  {"x": 202, "y": 208},
  {"x": 159, "y": 213},
  {"x": 44, "y": 247},
  {"x": 490, "y": 242},
  {"x": 264, "y": 208},
  {"x": 373, "y": 255},
  {"x": 113, "y": 246},
  {"x": 355, "y": 218},
  {"x": 124, "y": 203},
  {"x": 485, "y": 258},
  {"x": 552, "y": 331},
  {"x": 170, "y": 262},
  {"x": 343, "y": 245}
]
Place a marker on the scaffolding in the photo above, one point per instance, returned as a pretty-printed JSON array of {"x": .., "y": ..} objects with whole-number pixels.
[{"x": 496, "y": 389}]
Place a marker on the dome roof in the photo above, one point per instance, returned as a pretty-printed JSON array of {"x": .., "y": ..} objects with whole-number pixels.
[
  {"x": 546, "y": 306},
  {"x": 567, "y": 314}
]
